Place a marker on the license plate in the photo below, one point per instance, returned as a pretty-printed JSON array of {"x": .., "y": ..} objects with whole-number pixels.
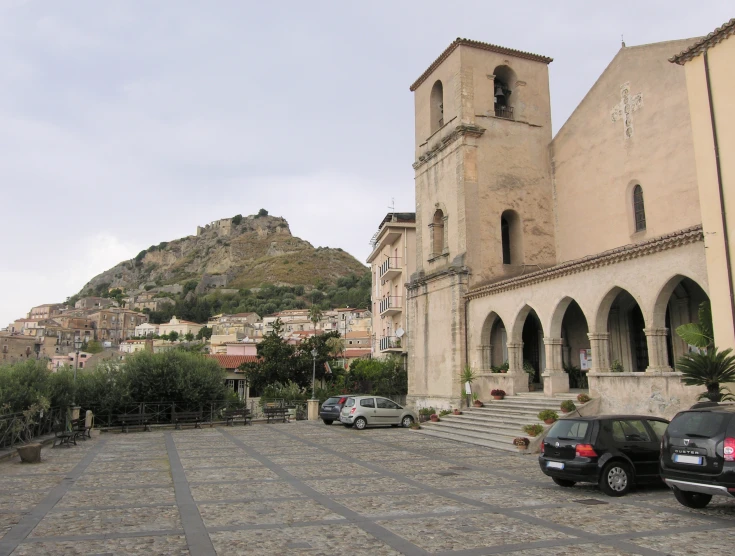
[
  {"x": 695, "y": 460},
  {"x": 555, "y": 464}
]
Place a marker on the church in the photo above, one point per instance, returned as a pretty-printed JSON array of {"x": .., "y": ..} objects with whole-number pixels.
[{"x": 567, "y": 261}]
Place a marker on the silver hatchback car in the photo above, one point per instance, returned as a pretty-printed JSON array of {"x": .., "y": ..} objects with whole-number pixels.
[{"x": 362, "y": 411}]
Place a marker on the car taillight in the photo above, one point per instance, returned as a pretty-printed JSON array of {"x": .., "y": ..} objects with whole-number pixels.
[
  {"x": 342, "y": 400},
  {"x": 729, "y": 450},
  {"x": 585, "y": 451},
  {"x": 542, "y": 447},
  {"x": 352, "y": 410}
]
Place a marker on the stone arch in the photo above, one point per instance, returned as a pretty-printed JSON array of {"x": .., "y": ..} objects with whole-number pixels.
[
  {"x": 557, "y": 316},
  {"x": 623, "y": 332},
  {"x": 438, "y": 231},
  {"x": 504, "y": 91},
  {"x": 603, "y": 307},
  {"x": 658, "y": 319},
  {"x": 511, "y": 236},
  {"x": 436, "y": 110},
  {"x": 516, "y": 333},
  {"x": 493, "y": 341}
]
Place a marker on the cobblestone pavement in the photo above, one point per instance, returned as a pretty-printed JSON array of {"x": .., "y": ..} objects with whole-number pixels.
[{"x": 307, "y": 488}]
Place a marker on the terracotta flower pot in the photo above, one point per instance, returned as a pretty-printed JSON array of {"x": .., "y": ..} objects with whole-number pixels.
[
  {"x": 477, "y": 403},
  {"x": 564, "y": 410},
  {"x": 434, "y": 418},
  {"x": 503, "y": 371},
  {"x": 521, "y": 447},
  {"x": 457, "y": 412},
  {"x": 30, "y": 453},
  {"x": 549, "y": 421},
  {"x": 498, "y": 397}
]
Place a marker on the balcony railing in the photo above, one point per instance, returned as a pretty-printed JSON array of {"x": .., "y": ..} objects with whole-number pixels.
[
  {"x": 390, "y": 342},
  {"x": 390, "y": 267},
  {"x": 504, "y": 112},
  {"x": 391, "y": 305}
]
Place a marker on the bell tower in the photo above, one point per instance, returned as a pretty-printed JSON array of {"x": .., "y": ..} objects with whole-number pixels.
[{"x": 484, "y": 204}]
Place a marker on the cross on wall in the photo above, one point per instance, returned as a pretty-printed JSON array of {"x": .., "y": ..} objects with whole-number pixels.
[{"x": 625, "y": 108}]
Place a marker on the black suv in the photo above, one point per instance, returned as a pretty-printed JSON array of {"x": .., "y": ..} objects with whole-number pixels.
[
  {"x": 698, "y": 454},
  {"x": 331, "y": 408},
  {"x": 613, "y": 451}
]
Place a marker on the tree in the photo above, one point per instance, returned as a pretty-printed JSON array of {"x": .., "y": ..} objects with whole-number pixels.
[
  {"x": 315, "y": 315},
  {"x": 93, "y": 346},
  {"x": 205, "y": 333},
  {"x": 173, "y": 336},
  {"x": 262, "y": 212},
  {"x": 237, "y": 219},
  {"x": 336, "y": 346},
  {"x": 710, "y": 369},
  {"x": 188, "y": 336}
]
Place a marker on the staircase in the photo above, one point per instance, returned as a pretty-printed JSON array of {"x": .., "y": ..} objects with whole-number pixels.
[{"x": 498, "y": 423}]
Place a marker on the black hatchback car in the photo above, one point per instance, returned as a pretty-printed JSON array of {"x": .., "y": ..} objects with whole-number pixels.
[
  {"x": 332, "y": 407},
  {"x": 698, "y": 454},
  {"x": 614, "y": 451}
]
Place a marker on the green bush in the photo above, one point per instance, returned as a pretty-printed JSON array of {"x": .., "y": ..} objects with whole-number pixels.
[
  {"x": 568, "y": 405},
  {"x": 533, "y": 430},
  {"x": 545, "y": 414},
  {"x": 291, "y": 392}
]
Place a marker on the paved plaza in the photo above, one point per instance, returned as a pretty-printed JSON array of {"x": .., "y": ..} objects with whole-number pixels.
[{"x": 306, "y": 488}]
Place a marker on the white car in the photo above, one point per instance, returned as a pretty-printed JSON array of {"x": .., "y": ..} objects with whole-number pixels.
[{"x": 363, "y": 411}]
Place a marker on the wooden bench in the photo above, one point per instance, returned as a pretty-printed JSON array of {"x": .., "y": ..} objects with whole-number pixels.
[
  {"x": 188, "y": 417},
  {"x": 232, "y": 415},
  {"x": 135, "y": 420},
  {"x": 67, "y": 436},
  {"x": 273, "y": 413},
  {"x": 81, "y": 428}
]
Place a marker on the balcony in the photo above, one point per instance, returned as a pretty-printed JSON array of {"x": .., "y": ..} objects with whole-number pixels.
[
  {"x": 504, "y": 112},
  {"x": 390, "y": 268},
  {"x": 391, "y": 306},
  {"x": 390, "y": 343}
]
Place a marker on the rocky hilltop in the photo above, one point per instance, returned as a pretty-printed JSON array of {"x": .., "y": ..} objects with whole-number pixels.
[{"x": 239, "y": 252}]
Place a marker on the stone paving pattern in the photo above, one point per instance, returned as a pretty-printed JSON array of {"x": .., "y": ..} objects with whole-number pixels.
[{"x": 307, "y": 488}]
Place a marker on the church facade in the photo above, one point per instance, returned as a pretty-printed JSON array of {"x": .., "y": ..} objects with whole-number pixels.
[{"x": 566, "y": 261}]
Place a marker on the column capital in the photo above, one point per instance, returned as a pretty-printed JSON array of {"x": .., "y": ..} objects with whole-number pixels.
[
  {"x": 514, "y": 345},
  {"x": 553, "y": 341},
  {"x": 656, "y": 331},
  {"x": 598, "y": 336}
]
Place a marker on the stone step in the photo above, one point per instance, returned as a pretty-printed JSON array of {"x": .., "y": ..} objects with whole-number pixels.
[
  {"x": 515, "y": 413},
  {"x": 506, "y": 431},
  {"x": 520, "y": 402},
  {"x": 492, "y": 420},
  {"x": 506, "y": 447}
]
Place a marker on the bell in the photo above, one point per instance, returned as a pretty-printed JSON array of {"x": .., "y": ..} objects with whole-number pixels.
[{"x": 499, "y": 91}]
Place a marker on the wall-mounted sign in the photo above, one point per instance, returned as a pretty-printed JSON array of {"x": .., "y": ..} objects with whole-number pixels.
[{"x": 585, "y": 359}]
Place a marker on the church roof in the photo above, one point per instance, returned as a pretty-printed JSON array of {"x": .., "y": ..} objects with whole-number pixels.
[
  {"x": 716, "y": 36},
  {"x": 482, "y": 46}
]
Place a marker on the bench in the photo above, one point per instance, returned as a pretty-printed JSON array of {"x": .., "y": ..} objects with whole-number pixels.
[
  {"x": 273, "y": 413},
  {"x": 81, "y": 428},
  {"x": 67, "y": 436},
  {"x": 135, "y": 419},
  {"x": 188, "y": 417},
  {"x": 232, "y": 415}
]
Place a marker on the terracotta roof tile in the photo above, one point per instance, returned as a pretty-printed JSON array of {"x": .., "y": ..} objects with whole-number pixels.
[
  {"x": 482, "y": 46},
  {"x": 715, "y": 37},
  {"x": 234, "y": 361}
]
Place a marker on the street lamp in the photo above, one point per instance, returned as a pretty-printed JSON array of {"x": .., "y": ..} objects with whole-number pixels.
[
  {"x": 77, "y": 347},
  {"x": 314, "y": 353}
]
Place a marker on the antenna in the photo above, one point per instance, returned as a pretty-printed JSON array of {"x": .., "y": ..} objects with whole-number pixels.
[
  {"x": 392, "y": 206},
  {"x": 622, "y": 40}
]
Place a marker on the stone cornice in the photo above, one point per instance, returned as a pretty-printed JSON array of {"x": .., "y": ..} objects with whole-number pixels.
[
  {"x": 627, "y": 252},
  {"x": 438, "y": 275},
  {"x": 461, "y": 130},
  {"x": 715, "y": 37}
]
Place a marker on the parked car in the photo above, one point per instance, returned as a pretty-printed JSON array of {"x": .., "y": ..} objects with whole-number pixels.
[
  {"x": 331, "y": 408},
  {"x": 614, "y": 451},
  {"x": 363, "y": 411},
  {"x": 698, "y": 454}
]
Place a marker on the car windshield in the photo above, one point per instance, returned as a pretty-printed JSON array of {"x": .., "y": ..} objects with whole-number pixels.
[
  {"x": 569, "y": 429},
  {"x": 332, "y": 401},
  {"x": 702, "y": 424}
]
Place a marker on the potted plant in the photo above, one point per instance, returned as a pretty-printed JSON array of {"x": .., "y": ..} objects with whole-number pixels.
[
  {"x": 23, "y": 426},
  {"x": 444, "y": 412},
  {"x": 583, "y": 398},
  {"x": 521, "y": 442},
  {"x": 457, "y": 411},
  {"x": 434, "y": 418},
  {"x": 466, "y": 378},
  {"x": 533, "y": 430},
  {"x": 497, "y": 394},
  {"x": 531, "y": 372},
  {"x": 567, "y": 406},
  {"x": 476, "y": 400},
  {"x": 425, "y": 413},
  {"x": 414, "y": 426},
  {"x": 500, "y": 368},
  {"x": 548, "y": 416}
]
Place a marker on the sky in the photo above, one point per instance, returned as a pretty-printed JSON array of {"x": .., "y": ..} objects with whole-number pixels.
[{"x": 129, "y": 122}]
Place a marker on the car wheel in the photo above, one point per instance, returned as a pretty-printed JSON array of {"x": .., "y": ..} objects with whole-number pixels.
[
  {"x": 360, "y": 423},
  {"x": 328, "y": 421},
  {"x": 406, "y": 421},
  {"x": 692, "y": 499},
  {"x": 616, "y": 479},
  {"x": 563, "y": 482}
]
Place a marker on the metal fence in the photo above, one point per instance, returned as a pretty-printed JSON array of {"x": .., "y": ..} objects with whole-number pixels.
[
  {"x": 297, "y": 408},
  {"x": 159, "y": 413},
  {"x": 12, "y": 425}
]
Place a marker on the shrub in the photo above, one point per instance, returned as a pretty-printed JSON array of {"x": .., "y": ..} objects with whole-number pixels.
[
  {"x": 568, "y": 405},
  {"x": 545, "y": 414},
  {"x": 426, "y": 410},
  {"x": 497, "y": 392},
  {"x": 521, "y": 441},
  {"x": 444, "y": 412},
  {"x": 290, "y": 392},
  {"x": 533, "y": 430},
  {"x": 262, "y": 212},
  {"x": 500, "y": 368},
  {"x": 237, "y": 219},
  {"x": 583, "y": 398}
]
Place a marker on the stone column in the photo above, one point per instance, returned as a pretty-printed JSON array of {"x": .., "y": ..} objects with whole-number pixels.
[
  {"x": 312, "y": 410},
  {"x": 485, "y": 357},
  {"x": 555, "y": 378},
  {"x": 658, "y": 356},
  {"x": 515, "y": 369},
  {"x": 600, "y": 346}
]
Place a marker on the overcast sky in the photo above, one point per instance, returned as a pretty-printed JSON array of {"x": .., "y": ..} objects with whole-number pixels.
[{"x": 128, "y": 123}]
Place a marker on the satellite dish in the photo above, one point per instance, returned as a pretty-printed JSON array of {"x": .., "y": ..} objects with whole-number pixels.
[{"x": 400, "y": 332}]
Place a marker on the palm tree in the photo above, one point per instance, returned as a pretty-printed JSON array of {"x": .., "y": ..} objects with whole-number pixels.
[
  {"x": 315, "y": 315},
  {"x": 710, "y": 369}
]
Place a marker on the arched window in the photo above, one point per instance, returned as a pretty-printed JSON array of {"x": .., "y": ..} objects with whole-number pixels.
[
  {"x": 503, "y": 88},
  {"x": 505, "y": 234},
  {"x": 638, "y": 209},
  {"x": 437, "y": 106},
  {"x": 437, "y": 233}
]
